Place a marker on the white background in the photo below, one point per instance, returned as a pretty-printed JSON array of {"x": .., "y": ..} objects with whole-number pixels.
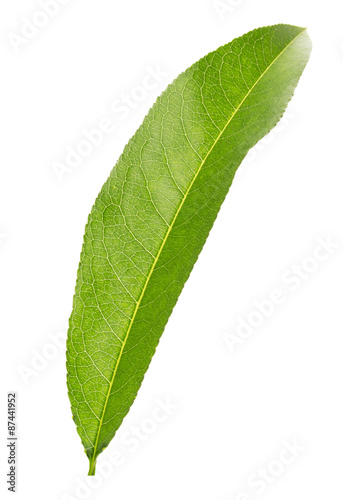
[{"x": 235, "y": 409}]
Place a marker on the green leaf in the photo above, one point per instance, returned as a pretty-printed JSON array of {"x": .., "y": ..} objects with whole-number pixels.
[{"x": 154, "y": 213}]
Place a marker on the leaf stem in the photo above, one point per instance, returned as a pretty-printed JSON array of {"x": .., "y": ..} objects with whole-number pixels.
[{"x": 92, "y": 466}]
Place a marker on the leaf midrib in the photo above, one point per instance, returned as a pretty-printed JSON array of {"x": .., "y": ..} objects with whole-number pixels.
[{"x": 167, "y": 235}]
